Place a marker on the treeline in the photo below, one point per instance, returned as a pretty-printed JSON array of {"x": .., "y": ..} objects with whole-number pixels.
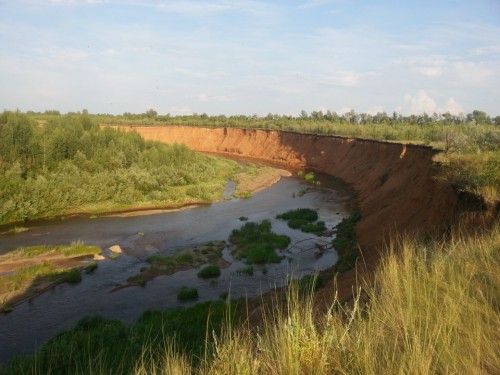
[
  {"x": 67, "y": 164},
  {"x": 440, "y": 130}
]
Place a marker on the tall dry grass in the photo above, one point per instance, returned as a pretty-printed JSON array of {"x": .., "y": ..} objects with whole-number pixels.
[{"x": 435, "y": 309}]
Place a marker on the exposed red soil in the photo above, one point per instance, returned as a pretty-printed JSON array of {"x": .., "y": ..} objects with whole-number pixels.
[{"x": 397, "y": 191}]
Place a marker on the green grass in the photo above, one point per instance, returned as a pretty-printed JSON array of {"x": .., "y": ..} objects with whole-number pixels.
[
  {"x": 185, "y": 294},
  {"x": 256, "y": 243},
  {"x": 305, "y": 214},
  {"x": 91, "y": 267},
  {"x": 304, "y": 219},
  {"x": 346, "y": 243},
  {"x": 317, "y": 228},
  {"x": 245, "y": 271},
  {"x": 37, "y": 273},
  {"x": 72, "y": 276},
  {"x": 100, "y": 346},
  {"x": 75, "y": 249},
  {"x": 113, "y": 256},
  {"x": 209, "y": 272}
]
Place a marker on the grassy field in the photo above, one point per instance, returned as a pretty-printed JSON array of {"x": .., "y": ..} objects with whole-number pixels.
[{"x": 434, "y": 309}]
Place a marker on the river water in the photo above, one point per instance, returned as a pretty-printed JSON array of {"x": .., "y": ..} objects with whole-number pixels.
[{"x": 33, "y": 322}]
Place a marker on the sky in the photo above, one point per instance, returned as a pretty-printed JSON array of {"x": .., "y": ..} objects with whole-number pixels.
[{"x": 250, "y": 57}]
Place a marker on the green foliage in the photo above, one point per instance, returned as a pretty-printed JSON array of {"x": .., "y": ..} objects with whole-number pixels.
[
  {"x": 317, "y": 228},
  {"x": 257, "y": 243},
  {"x": 119, "y": 347},
  {"x": 91, "y": 267},
  {"x": 309, "y": 176},
  {"x": 305, "y": 214},
  {"x": 310, "y": 283},
  {"x": 113, "y": 256},
  {"x": 185, "y": 258},
  {"x": 185, "y": 294},
  {"x": 245, "y": 271},
  {"x": 72, "y": 276},
  {"x": 75, "y": 249},
  {"x": 346, "y": 244},
  {"x": 209, "y": 271},
  {"x": 71, "y": 165},
  {"x": 304, "y": 219}
]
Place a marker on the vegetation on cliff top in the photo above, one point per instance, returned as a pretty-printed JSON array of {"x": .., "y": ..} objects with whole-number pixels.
[{"x": 433, "y": 310}]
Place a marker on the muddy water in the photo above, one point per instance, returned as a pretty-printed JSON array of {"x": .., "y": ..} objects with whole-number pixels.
[{"x": 36, "y": 321}]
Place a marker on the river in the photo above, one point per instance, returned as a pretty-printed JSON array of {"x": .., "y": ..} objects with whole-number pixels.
[{"x": 33, "y": 322}]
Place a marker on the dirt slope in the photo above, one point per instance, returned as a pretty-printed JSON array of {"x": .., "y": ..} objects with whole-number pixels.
[{"x": 397, "y": 191}]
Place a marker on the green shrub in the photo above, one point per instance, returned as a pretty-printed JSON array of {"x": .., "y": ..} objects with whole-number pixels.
[
  {"x": 186, "y": 294},
  {"x": 346, "y": 243},
  {"x": 257, "y": 243},
  {"x": 260, "y": 254},
  {"x": 91, "y": 267},
  {"x": 317, "y": 228},
  {"x": 209, "y": 271},
  {"x": 303, "y": 219},
  {"x": 309, "y": 176},
  {"x": 73, "y": 276},
  {"x": 305, "y": 214},
  {"x": 297, "y": 223}
]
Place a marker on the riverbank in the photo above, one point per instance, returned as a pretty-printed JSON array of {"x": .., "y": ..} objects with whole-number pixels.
[{"x": 26, "y": 273}]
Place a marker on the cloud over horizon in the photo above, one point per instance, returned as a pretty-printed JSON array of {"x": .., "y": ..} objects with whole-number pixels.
[{"x": 249, "y": 56}]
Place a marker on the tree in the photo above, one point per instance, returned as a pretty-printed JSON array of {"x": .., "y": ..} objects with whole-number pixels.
[
  {"x": 151, "y": 113},
  {"x": 480, "y": 117}
]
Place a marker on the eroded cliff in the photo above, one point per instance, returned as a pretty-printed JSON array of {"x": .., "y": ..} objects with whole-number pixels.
[{"x": 397, "y": 189}]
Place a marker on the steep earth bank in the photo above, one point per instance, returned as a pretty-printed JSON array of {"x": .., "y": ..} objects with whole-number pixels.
[{"x": 397, "y": 191}]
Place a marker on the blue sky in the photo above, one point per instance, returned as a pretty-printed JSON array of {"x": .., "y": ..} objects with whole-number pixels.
[{"x": 248, "y": 56}]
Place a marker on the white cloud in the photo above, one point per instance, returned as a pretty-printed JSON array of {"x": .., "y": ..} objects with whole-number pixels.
[
  {"x": 419, "y": 103},
  {"x": 430, "y": 71},
  {"x": 473, "y": 73},
  {"x": 375, "y": 110},
  {"x": 343, "y": 110},
  {"x": 411, "y": 47},
  {"x": 452, "y": 106},
  {"x": 424, "y": 103},
  {"x": 486, "y": 50},
  {"x": 345, "y": 79},
  {"x": 110, "y": 52},
  {"x": 180, "y": 111}
]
